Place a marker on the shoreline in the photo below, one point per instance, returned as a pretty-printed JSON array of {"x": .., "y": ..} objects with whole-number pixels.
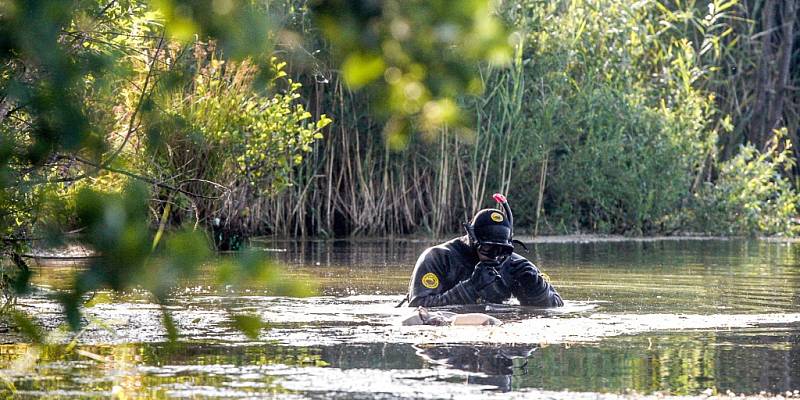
[
  {"x": 527, "y": 238},
  {"x": 76, "y": 252}
]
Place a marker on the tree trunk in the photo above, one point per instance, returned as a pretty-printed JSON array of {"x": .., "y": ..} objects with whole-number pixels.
[
  {"x": 788, "y": 18},
  {"x": 761, "y": 108}
]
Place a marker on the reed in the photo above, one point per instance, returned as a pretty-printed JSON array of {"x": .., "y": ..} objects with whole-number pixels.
[
  {"x": 612, "y": 117},
  {"x": 575, "y": 130}
]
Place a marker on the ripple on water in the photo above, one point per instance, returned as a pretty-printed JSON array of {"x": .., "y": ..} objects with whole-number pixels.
[
  {"x": 673, "y": 317},
  {"x": 369, "y": 319}
]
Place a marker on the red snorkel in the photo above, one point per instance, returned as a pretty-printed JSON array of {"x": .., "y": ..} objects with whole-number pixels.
[
  {"x": 509, "y": 217},
  {"x": 498, "y": 197}
]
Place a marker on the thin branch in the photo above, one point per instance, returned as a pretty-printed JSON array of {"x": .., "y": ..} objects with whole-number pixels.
[
  {"x": 218, "y": 185},
  {"x": 113, "y": 33},
  {"x": 103, "y": 11},
  {"x": 148, "y": 180},
  {"x": 19, "y": 239},
  {"x": 131, "y": 125}
]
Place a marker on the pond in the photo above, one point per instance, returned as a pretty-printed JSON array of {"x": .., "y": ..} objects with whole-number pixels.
[{"x": 647, "y": 317}]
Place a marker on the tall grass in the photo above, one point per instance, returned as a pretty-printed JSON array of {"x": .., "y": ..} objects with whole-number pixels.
[
  {"x": 612, "y": 117},
  {"x": 606, "y": 121},
  {"x": 551, "y": 130}
]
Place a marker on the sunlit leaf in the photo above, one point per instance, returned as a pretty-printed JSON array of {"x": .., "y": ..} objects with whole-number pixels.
[
  {"x": 186, "y": 250},
  {"x": 93, "y": 356},
  {"x": 250, "y": 325},
  {"x": 99, "y": 298},
  {"x": 360, "y": 69}
]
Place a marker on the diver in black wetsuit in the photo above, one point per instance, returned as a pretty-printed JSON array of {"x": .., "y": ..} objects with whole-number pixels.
[{"x": 480, "y": 267}]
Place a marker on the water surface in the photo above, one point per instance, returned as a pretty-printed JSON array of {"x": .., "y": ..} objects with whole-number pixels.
[{"x": 658, "y": 317}]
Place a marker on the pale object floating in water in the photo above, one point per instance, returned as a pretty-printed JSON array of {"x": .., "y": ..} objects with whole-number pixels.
[{"x": 422, "y": 316}]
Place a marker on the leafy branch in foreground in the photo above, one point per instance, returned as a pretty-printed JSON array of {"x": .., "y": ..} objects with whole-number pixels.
[
  {"x": 81, "y": 80},
  {"x": 78, "y": 79},
  {"x": 417, "y": 56},
  {"x": 116, "y": 229}
]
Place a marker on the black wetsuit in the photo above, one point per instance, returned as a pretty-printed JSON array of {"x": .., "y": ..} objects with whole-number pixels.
[{"x": 441, "y": 276}]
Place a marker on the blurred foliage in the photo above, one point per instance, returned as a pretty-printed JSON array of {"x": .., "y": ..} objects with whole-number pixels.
[
  {"x": 418, "y": 56},
  {"x": 116, "y": 227},
  {"x": 241, "y": 27},
  {"x": 78, "y": 80},
  {"x": 101, "y": 101}
]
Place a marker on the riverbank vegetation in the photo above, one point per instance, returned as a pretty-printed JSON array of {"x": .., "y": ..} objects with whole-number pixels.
[
  {"x": 610, "y": 117},
  {"x": 147, "y": 130},
  {"x": 644, "y": 118}
]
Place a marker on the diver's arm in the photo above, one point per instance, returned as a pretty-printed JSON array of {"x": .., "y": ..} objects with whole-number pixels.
[
  {"x": 530, "y": 286},
  {"x": 429, "y": 285},
  {"x": 461, "y": 293}
]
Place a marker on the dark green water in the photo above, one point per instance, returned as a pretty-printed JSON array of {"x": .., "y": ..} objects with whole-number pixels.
[{"x": 672, "y": 317}]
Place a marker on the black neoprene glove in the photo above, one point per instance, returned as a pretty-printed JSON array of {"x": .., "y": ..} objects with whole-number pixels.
[
  {"x": 485, "y": 274},
  {"x": 518, "y": 270},
  {"x": 529, "y": 286}
]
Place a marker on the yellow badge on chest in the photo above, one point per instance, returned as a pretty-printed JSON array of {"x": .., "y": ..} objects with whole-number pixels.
[
  {"x": 430, "y": 280},
  {"x": 496, "y": 217}
]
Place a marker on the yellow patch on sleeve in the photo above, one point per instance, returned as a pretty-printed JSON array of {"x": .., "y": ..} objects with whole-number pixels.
[{"x": 430, "y": 280}]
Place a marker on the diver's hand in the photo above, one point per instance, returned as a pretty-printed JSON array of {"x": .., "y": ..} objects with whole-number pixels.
[
  {"x": 517, "y": 270},
  {"x": 485, "y": 274}
]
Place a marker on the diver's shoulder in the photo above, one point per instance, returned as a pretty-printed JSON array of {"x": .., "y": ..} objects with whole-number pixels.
[
  {"x": 434, "y": 251},
  {"x": 455, "y": 245},
  {"x": 517, "y": 256}
]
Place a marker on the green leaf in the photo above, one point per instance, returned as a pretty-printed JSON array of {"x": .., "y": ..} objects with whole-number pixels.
[
  {"x": 360, "y": 69},
  {"x": 251, "y": 325},
  {"x": 27, "y": 326},
  {"x": 99, "y": 298},
  {"x": 169, "y": 325}
]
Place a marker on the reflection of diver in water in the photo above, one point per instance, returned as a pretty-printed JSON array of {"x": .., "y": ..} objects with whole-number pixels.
[{"x": 499, "y": 364}]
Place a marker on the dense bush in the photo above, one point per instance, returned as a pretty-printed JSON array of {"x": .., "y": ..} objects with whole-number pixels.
[
  {"x": 624, "y": 132},
  {"x": 751, "y": 196},
  {"x": 606, "y": 120},
  {"x": 224, "y": 138}
]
